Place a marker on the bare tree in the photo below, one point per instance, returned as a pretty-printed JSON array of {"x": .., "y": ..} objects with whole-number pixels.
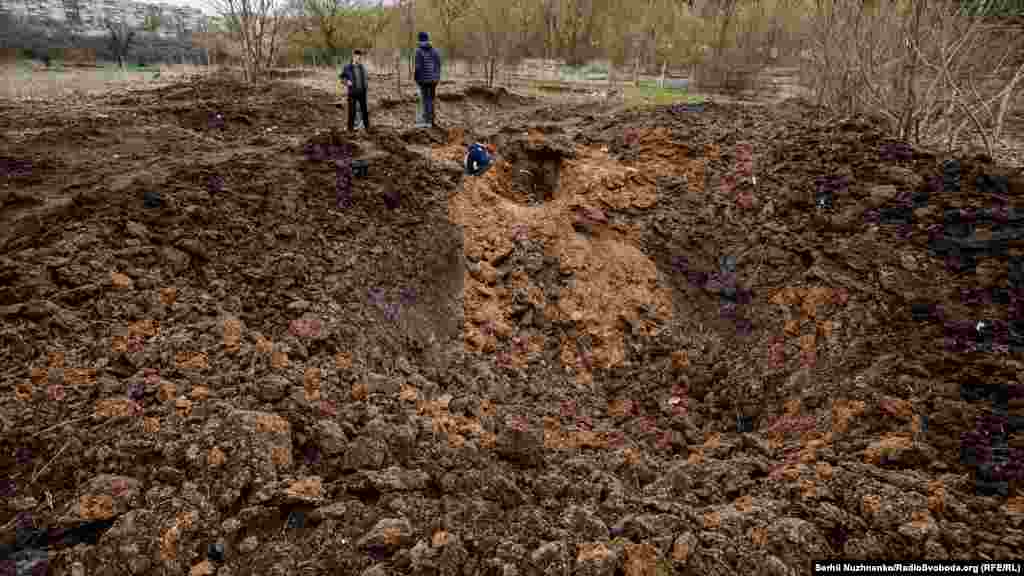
[
  {"x": 324, "y": 21},
  {"x": 450, "y": 14},
  {"x": 494, "y": 35},
  {"x": 120, "y": 40},
  {"x": 407, "y": 28},
  {"x": 366, "y": 23},
  {"x": 152, "y": 22},
  {"x": 931, "y": 71},
  {"x": 258, "y": 25}
]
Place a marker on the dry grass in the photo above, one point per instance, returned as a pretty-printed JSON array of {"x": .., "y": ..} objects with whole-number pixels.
[{"x": 32, "y": 81}]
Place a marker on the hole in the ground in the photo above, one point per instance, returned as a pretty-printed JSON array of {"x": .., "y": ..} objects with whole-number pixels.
[{"x": 535, "y": 171}]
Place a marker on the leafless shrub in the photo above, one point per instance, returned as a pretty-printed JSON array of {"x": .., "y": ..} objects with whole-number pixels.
[
  {"x": 257, "y": 26},
  {"x": 929, "y": 69}
]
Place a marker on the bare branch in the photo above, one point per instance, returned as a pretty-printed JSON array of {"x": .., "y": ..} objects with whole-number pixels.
[{"x": 1005, "y": 103}]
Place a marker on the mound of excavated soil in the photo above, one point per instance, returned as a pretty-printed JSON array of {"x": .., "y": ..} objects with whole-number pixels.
[{"x": 732, "y": 341}]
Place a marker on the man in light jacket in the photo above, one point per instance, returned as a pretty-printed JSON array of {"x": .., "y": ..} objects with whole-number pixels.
[
  {"x": 354, "y": 76},
  {"x": 428, "y": 74}
]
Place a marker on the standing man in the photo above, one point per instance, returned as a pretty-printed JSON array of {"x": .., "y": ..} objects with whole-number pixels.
[
  {"x": 354, "y": 76},
  {"x": 428, "y": 74}
]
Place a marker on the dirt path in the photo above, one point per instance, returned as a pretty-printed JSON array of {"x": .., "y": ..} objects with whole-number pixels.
[{"x": 613, "y": 353}]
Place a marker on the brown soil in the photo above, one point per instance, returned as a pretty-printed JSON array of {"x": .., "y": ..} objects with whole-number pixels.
[{"x": 528, "y": 372}]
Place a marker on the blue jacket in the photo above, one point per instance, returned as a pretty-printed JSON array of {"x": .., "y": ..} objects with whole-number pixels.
[
  {"x": 357, "y": 76},
  {"x": 428, "y": 64},
  {"x": 477, "y": 160}
]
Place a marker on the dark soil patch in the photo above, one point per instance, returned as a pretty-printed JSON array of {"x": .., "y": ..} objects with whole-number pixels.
[{"x": 420, "y": 384}]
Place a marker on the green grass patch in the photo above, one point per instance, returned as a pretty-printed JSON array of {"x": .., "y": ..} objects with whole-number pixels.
[
  {"x": 648, "y": 94},
  {"x": 585, "y": 72}
]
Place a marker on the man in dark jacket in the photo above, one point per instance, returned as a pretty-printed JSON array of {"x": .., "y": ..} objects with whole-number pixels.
[
  {"x": 428, "y": 74},
  {"x": 354, "y": 76}
]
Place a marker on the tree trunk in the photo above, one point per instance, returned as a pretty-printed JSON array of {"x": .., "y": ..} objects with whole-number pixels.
[
  {"x": 730, "y": 8},
  {"x": 910, "y": 102}
]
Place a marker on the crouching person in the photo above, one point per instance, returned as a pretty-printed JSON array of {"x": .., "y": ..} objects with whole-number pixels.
[{"x": 479, "y": 159}]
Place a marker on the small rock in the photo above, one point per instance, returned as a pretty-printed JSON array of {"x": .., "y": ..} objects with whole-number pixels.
[
  {"x": 170, "y": 475},
  {"x": 330, "y": 437},
  {"x": 635, "y": 527},
  {"x": 140, "y": 566},
  {"x": 799, "y": 381},
  {"x": 899, "y": 408},
  {"x": 365, "y": 453},
  {"x": 757, "y": 444},
  {"x": 934, "y": 550},
  {"x": 272, "y": 388},
  {"x": 553, "y": 486},
  {"x": 389, "y": 534},
  {"x": 641, "y": 560},
  {"x": 521, "y": 445},
  {"x": 299, "y": 305},
  {"x": 176, "y": 260},
  {"x": 925, "y": 213},
  {"x": 378, "y": 384},
  {"x": 248, "y": 545},
  {"x": 684, "y": 547},
  {"x": 336, "y": 511},
  {"x": 305, "y": 490},
  {"x": 922, "y": 528},
  {"x": 231, "y": 525},
  {"x": 882, "y": 194},
  {"x": 794, "y": 539},
  {"x": 772, "y": 566},
  {"x": 194, "y": 247},
  {"x": 121, "y": 281},
  {"x": 204, "y": 568},
  {"x": 395, "y": 479},
  {"x": 584, "y": 523},
  {"x": 891, "y": 450},
  {"x": 901, "y": 176},
  {"x": 596, "y": 559},
  {"x": 487, "y": 274},
  {"x": 505, "y": 490},
  {"x": 422, "y": 555},
  {"x": 546, "y": 555}
]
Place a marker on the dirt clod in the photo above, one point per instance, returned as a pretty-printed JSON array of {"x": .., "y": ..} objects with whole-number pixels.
[{"x": 719, "y": 340}]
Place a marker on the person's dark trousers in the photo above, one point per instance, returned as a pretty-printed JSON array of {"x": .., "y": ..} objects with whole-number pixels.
[
  {"x": 428, "y": 91},
  {"x": 353, "y": 100}
]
